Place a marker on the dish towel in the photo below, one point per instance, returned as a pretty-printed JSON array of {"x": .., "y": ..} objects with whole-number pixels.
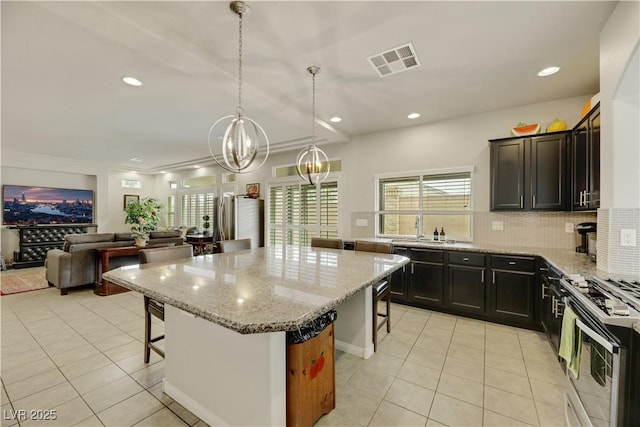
[{"x": 570, "y": 342}]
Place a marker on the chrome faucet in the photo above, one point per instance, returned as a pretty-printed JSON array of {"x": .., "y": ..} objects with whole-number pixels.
[{"x": 417, "y": 226}]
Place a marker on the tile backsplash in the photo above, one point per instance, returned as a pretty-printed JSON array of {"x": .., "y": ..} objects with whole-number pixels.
[{"x": 539, "y": 229}]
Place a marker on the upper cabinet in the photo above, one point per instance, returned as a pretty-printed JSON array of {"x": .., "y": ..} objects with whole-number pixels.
[
  {"x": 585, "y": 162},
  {"x": 530, "y": 173}
]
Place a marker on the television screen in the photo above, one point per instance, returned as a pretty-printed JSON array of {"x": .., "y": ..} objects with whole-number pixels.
[{"x": 25, "y": 205}]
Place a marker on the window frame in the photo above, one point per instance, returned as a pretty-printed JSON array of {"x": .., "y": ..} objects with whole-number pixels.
[{"x": 421, "y": 211}]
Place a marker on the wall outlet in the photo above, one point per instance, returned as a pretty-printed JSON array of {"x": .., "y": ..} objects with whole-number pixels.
[
  {"x": 569, "y": 227},
  {"x": 360, "y": 222},
  {"x": 497, "y": 225},
  {"x": 628, "y": 237}
]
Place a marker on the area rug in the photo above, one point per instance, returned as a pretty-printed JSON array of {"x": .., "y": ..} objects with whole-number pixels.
[{"x": 13, "y": 282}]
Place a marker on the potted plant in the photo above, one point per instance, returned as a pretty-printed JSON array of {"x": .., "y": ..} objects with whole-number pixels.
[{"x": 143, "y": 215}]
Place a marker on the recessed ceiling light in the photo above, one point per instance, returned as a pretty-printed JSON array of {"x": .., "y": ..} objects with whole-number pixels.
[
  {"x": 196, "y": 166},
  {"x": 335, "y": 119},
  {"x": 163, "y": 171},
  {"x": 132, "y": 81},
  {"x": 413, "y": 115},
  {"x": 548, "y": 71},
  {"x": 136, "y": 159}
]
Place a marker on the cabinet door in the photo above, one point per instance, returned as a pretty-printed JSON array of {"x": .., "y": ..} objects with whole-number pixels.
[
  {"x": 593, "y": 195},
  {"x": 547, "y": 163},
  {"x": 544, "y": 305},
  {"x": 398, "y": 284},
  {"x": 466, "y": 288},
  {"x": 507, "y": 175},
  {"x": 512, "y": 295},
  {"x": 426, "y": 285},
  {"x": 579, "y": 166}
]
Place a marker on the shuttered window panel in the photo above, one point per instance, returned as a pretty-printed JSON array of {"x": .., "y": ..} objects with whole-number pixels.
[
  {"x": 194, "y": 207},
  {"x": 298, "y": 212},
  {"x": 171, "y": 211}
]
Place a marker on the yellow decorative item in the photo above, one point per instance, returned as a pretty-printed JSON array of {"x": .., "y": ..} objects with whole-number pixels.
[
  {"x": 586, "y": 108},
  {"x": 557, "y": 126}
]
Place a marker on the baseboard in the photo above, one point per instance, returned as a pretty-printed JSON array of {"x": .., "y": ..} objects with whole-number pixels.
[
  {"x": 193, "y": 406},
  {"x": 363, "y": 353}
]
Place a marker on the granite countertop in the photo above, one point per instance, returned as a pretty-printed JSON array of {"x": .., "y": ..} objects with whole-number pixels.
[
  {"x": 567, "y": 261},
  {"x": 277, "y": 288}
]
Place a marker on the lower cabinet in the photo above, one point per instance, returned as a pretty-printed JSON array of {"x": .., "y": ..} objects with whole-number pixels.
[
  {"x": 426, "y": 278},
  {"x": 398, "y": 285},
  {"x": 466, "y": 282},
  {"x": 499, "y": 288},
  {"x": 512, "y": 290}
]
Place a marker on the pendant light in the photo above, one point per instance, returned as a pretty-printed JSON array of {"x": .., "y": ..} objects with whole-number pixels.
[
  {"x": 312, "y": 163},
  {"x": 243, "y": 137}
]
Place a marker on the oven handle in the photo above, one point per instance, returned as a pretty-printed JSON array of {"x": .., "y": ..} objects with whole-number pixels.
[{"x": 595, "y": 336}]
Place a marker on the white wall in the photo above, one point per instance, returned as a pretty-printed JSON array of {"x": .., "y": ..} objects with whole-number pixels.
[
  {"x": 619, "y": 106},
  {"x": 452, "y": 143}
]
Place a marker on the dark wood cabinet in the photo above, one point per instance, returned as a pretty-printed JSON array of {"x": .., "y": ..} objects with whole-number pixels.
[
  {"x": 512, "y": 289},
  {"x": 507, "y": 174},
  {"x": 466, "y": 282},
  {"x": 36, "y": 241},
  {"x": 398, "y": 286},
  {"x": 529, "y": 173},
  {"x": 427, "y": 283},
  {"x": 585, "y": 162}
]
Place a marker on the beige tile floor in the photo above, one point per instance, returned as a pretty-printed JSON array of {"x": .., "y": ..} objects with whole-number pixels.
[{"x": 81, "y": 355}]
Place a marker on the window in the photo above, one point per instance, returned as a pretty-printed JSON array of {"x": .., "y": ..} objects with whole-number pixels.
[
  {"x": 411, "y": 205},
  {"x": 131, "y": 183},
  {"x": 298, "y": 212},
  {"x": 171, "y": 211},
  {"x": 194, "y": 207},
  {"x": 290, "y": 170}
]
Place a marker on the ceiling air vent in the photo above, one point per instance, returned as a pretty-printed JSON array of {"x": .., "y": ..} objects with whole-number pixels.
[{"x": 393, "y": 61}]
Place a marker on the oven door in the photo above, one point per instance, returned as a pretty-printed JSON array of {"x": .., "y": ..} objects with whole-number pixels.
[{"x": 599, "y": 383}]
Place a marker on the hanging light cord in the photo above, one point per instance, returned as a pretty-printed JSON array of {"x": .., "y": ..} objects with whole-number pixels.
[
  {"x": 313, "y": 110},
  {"x": 239, "y": 110}
]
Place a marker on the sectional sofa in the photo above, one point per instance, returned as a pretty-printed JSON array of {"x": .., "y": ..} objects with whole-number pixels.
[{"x": 74, "y": 264}]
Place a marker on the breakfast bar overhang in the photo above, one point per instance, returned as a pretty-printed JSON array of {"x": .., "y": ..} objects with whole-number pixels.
[{"x": 226, "y": 318}]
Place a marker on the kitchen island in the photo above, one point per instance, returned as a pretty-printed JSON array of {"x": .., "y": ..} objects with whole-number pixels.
[{"x": 226, "y": 318}]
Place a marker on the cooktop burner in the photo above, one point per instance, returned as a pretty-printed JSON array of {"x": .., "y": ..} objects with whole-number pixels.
[{"x": 632, "y": 288}]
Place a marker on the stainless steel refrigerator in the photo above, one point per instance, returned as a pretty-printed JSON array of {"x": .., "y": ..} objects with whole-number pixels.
[{"x": 238, "y": 217}]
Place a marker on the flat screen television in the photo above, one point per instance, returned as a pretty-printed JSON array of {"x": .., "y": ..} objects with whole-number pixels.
[{"x": 26, "y": 205}]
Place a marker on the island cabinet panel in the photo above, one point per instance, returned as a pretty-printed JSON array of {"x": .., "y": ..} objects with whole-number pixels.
[
  {"x": 466, "y": 282},
  {"x": 399, "y": 279},
  {"x": 512, "y": 289},
  {"x": 426, "y": 278}
]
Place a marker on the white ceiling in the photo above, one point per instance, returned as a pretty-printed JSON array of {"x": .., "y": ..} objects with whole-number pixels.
[{"x": 62, "y": 64}]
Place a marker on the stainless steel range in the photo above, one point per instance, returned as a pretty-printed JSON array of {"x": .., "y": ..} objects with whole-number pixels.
[{"x": 606, "y": 311}]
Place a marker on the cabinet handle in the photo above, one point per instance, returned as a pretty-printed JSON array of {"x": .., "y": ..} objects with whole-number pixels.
[
  {"x": 582, "y": 198},
  {"x": 554, "y": 306},
  {"x": 586, "y": 197},
  {"x": 494, "y": 277},
  {"x": 521, "y": 202},
  {"x": 533, "y": 201},
  {"x": 465, "y": 259},
  {"x": 482, "y": 276},
  {"x": 412, "y": 264},
  {"x": 512, "y": 263},
  {"x": 544, "y": 294}
]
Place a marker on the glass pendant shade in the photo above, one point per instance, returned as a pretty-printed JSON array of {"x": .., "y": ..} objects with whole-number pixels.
[
  {"x": 312, "y": 164},
  {"x": 243, "y": 138}
]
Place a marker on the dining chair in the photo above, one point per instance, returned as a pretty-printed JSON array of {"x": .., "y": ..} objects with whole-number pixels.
[
  {"x": 225, "y": 246},
  {"x": 154, "y": 307},
  {"x": 381, "y": 290},
  {"x": 317, "y": 242}
]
